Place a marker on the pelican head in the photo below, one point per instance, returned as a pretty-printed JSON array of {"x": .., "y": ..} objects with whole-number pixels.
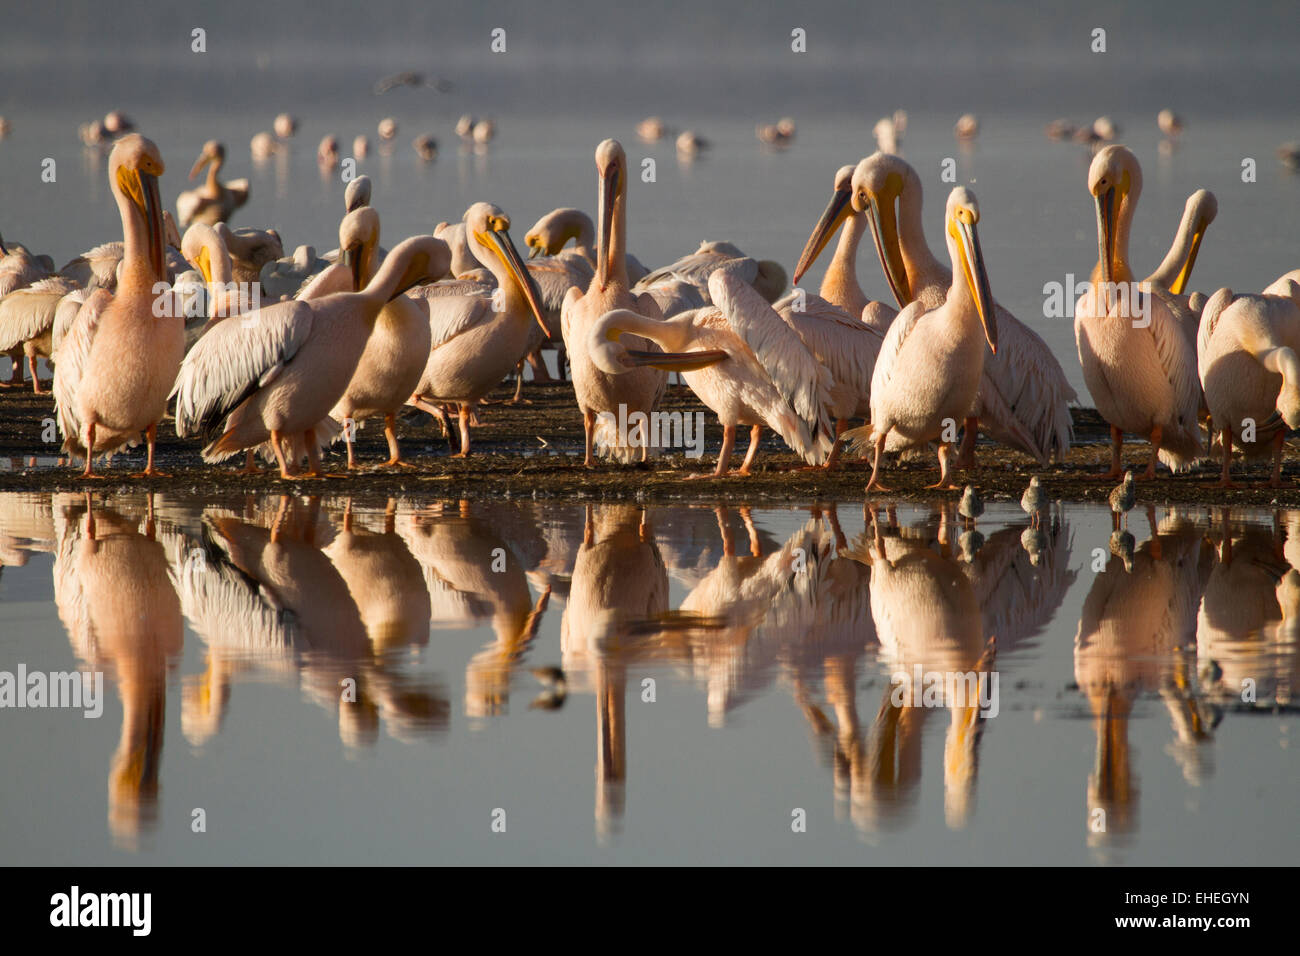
[
  {"x": 357, "y": 194},
  {"x": 837, "y": 210},
  {"x": 133, "y": 168},
  {"x": 1114, "y": 179},
  {"x": 196, "y": 247},
  {"x": 487, "y": 228},
  {"x": 770, "y": 281},
  {"x": 878, "y": 182},
  {"x": 358, "y": 238},
  {"x": 960, "y": 219},
  {"x": 614, "y": 358},
  {"x": 553, "y": 231},
  {"x": 1200, "y": 211},
  {"x": 611, "y": 163},
  {"x": 212, "y": 152}
]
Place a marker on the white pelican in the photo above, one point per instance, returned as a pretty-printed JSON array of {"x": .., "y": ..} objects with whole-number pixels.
[
  {"x": 1143, "y": 379},
  {"x": 764, "y": 275},
  {"x": 1175, "y": 270},
  {"x": 203, "y": 247},
  {"x": 551, "y": 234},
  {"x": 18, "y": 269},
  {"x": 840, "y": 283},
  {"x": 395, "y": 355},
  {"x": 779, "y": 134},
  {"x": 283, "y": 278},
  {"x": 652, "y": 129},
  {"x": 932, "y": 359},
  {"x": 478, "y": 339},
  {"x": 967, "y": 128},
  {"x": 27, "y": 322},
  {"x": 118, "y": 361},
  {"x": 249, "y": 250},
  {"x": 276, "y": 373},
  {"x": 744, "y": 362},
  {"x": 1170, "y": 123},
  {"x": 1023, "y": 394},
  {"x": 638, "y": 390},
  {"x": 426, "y": 147},
  {"x": 1246, "y": 358},
  {"x": 214, "y": 201}
]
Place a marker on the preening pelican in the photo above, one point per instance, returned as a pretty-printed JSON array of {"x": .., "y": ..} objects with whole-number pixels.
[
  {"x": 478, "y": 339},
  {"x": 551, "y": 234},
  {"x": 214, "y": 201},
  {"x": 276, "y": 373},
  {"x": 204, "y": 249},
  {"x": 395, "y": 354},
  {"x": 1246, "y": 357},
  {"x": 27, "y": 322},
  {"x": 249, "y": 250},
  {"x": 740, "y": 358},
  {"x": 931, "y": 363},
  {"x": 639, "y": 390},
  {"x": 1140, "y": 370},
  {"x": 1023, "y": 394},
  {"x": 118, "y": 361}
]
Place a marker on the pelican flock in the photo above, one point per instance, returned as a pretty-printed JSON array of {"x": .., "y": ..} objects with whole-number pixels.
[{"x": 327, "y": 342}]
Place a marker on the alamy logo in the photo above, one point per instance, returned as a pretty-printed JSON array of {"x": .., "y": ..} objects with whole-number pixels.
[
  {"x": 75, "y": 908},
  {"x": 71, "y": 689},
  {"x": 666, "y": 429},
  {"x": 1126, "y": 300},
  {"x": 946, "y": 689}
]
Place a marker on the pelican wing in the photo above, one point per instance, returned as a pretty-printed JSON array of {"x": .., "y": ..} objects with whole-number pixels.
[
  {"x": 453, "y": 315},
  {"x": 700, "y": 265},
  {"x": 888, "y": 361},
  {"x": 1178, "y": 360},
  {"x": 74, "y": 352},
  {"x": 65, "y": 314},
  {"x": 555, "y": 275},
  {"x": 675, "y": 296},
  {"x": 29, "y": 313},
  {"x": 845, "y": 345},
  {"x": 803, "y": 382},
  {"x": 233, "y": 360},
  {"x": 1210, "y": 315},
  {"x": 331, "y": 279}
]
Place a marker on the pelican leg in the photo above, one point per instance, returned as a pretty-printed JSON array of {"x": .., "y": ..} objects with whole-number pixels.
[
  {"x": 833, "y": 459},
  {"x": 313, "y": 455},
  {"x": 945, "y": 463},
  {"x": 464, "y": 431},
  {"x": 36, "y": 380},
  {"x": 151, "y": 440},
  {"x": 755, "y": 433},
  {"x": 277, "y": 446},
  {"x": 1156, "y": 434},
  {"x": 1116, "y": 448},
  {"x": 1275, "y": 481},
  {"x": 1226, "y": 481},
  {"x": 349, "y": 439},
  {"x": 724, "y": 453},
  {"x": 966, "y": 454},
  {"x": 250, "y": 464},
  {"x": 873, "y": 484},
  {"x": 394, "y": 451},
  {"x": 519, "y": 384},
  {"x": 644, "y": 429},
  {"x": 90, "y": 451},
  {"x": 589, "y": 430}
]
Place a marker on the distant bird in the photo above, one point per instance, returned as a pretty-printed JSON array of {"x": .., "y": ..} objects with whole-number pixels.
[
  {"x": 1060, "y": 129},
  {"x": 967, "y": 128},
  {"x": 118, "y": 123},
  {"x": 690, "y": 144},
  {"x": 1122, "y": 499},
  {"x": 889, "y": 131},
  {"x": 214, "y": 201},
  {"x": 5, "y": 127},
  {"x": 426, "y": 147},
  {"x": 652, "y": 129},
  {"x": 1289, "y": 155},
  {"x": 1170, "y": 123},
  {"x": 1034, "y": 502},
  {"x": 780, "y": 133},
  {"x": 286, "y": 125},
  {"x": 1105, "y": 128},
  {"x": 484, "y": 132},
  {"x": 387, "y": 129},
  {"x": 327, "y": 153},
  {"x": 361, "y": 146},
  {"x": 971, "y": 505}
]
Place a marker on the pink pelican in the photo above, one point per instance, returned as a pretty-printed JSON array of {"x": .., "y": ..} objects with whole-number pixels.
[{"x": 214, "y": 201}]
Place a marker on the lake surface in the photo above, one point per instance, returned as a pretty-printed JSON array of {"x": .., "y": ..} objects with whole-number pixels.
[{"x": 418, "y": 680}]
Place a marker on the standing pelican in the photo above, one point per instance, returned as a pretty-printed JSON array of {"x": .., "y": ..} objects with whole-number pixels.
[
  {"x": 477, "y": 339},
  {"x": 1246, "y": 358},
  {"x": 27, "y": 322},
  {"x": 640, "y": 389},
  {"x": 1023, "y": 394},
  {"x": 1140, "y": 370},
  {"x": 18, "y": 269},
  {"x": 275, "y": 374},
  {"x": 214, "y": 201},
  {"x": 118, "y": 361},
  {"x": 394, "y": 356},
  {"x": 745, "y": 363},
  {"x": 551, "y": 234},
  {"x": 932, "y": 359}
]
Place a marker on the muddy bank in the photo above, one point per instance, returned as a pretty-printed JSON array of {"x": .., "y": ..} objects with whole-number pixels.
[{"x": 535, "y": 450}]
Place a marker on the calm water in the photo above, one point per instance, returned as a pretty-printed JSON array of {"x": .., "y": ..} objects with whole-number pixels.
[{"x": 719, "y": 669}]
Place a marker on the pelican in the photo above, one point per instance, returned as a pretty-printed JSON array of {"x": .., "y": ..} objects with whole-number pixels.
[
  {"x": 27, "y": 322},
  {"x": 944, "y": 343},
  {"x": 1246, "y": 358},
  {"x": 638, "y": 390},
  {"x": 250, "y": 250},
  {"x": 1143, "y": 379},
  {"x": 426, "y": 147},
  {"x": 765, "y": 275},
  {"x": 967, "y": 128},
  {"x": 277, "y": 373},
  {"x": 18, "y": 269},
  {"x": 477, "y": 339},
  {"x": 203, "y": 247},
  {"x": 1175, "y": 271},
  {"x": 395, "y": 354},
  {"x": 551, "y": 234},
  {"x": 745, "y": 363},
  {"x": 118, "y": 361},
  {"x": 214, "y": 201},
  {"x": 283, "y": 278},
  {"x": 1023, "y": 394},
  {"x": 1170, "y": 123}
]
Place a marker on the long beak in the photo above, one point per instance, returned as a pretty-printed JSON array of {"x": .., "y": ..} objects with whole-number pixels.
[
  {"x": 352, "y": 259},
  {"x": 972, "y": 260},
  {"x": 534, "y": 252},
  {"x": 884, "y": 233},
  {"x": 153, "y": 210},
  {"x": 674, "y": 361},
  {"x": 509, "y": 255},
  {"x": 836, "y": 212},
  {"x": 199, "y": 163},
  {"x": 604, "y": 252},
  {"x": 1185, "y": 273},
  {"x": 1106, "y": 234},
  {"x": 205, "y": 264}
]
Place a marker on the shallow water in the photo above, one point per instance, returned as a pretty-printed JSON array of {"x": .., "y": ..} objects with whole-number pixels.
[{"x": 722, "y": 669}]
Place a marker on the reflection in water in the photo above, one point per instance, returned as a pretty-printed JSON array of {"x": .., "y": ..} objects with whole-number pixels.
[{"x": 339, "y": 600}]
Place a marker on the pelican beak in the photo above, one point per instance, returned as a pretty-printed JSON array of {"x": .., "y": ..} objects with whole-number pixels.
[
  {"x": 352, "y": 259},
  {"x": 836, "y": 212},
  {"x": 604, "y": 252},
  {"x": 153, "y": 210},
  {"x": 534, "y": 248},
  {"x": 673, "y": 361},
  {"x": 1106, "y": 234},
  {"x": 203, "y": 160},
  {"x": 498, "y": 240},
  {"x": 884, "y": 233},
  {"x": 1185, "y": 273},
  {"x": 972, "y": 263},
  {"x": 205, "y": 264}
]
